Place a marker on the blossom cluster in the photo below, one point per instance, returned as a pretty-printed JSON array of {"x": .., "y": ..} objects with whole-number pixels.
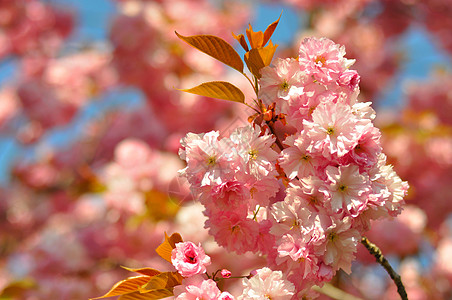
[
  {"x": 335, "y": 179},
  {"x": 191, "y": 261}
]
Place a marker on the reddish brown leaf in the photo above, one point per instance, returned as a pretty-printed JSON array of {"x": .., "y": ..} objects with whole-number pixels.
[
  {"x": 126, "y": 286},
  {"x": 165, "y": 248},
  {"x": 255, "y": 38},
  {"x": 218, "y": 89},
  {"x": 143, "y": 271},
  {"x": 256, "y": 59},
  {"x": 166, "y": 280},
  {"x": 241, "y": 39},
  {"x": 269, "y": 31},
  {"x": 215, "y": 47},
  {"x": 157, "y": 294},
  {"x": 174, "y": 239}
]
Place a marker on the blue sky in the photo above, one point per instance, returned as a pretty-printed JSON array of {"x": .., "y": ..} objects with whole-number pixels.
[{"x": 92, "y": 26}]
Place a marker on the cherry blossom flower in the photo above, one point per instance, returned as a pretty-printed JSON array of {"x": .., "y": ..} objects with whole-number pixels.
[
  {"x": 255, "y": 149},
  {"x": 233, "y": 230},
  {"x": 340, "y": 244},
  {"x": 277, "y": 81},
  {"x": 206, "y": 156},
  {"x": 323, "y": 59},
  {"x": 296, "y": 159},
  {"x": 267, "y": 284},
  {"x": 332, "y": 130},
  {"x": 189, "y": 259},
  {"x": 196, "y": 287},
  {"x": 227, "y": 195},
  {"x": 347, "y": 187}
]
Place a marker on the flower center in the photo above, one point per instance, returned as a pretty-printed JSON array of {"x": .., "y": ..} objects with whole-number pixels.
[
  {"x": 295, "y": 224},
  {"x": 190, "y": 256},
  {"x": 332, "y": 236},
  {"x": 313, "y": 200},
  {"x": 359, "y": 148},
  {"x": 235, "y": 228},
  {"x": 212, "y": 160},
  {"x": 253, "y": 154},
  {"x": 343, "y": 188},
  {"x": 330, "y": 130},
  {"x": 320, "y": 59},
  {"x": 305, "y": 157},
  {"x": 284, "y": 86}
]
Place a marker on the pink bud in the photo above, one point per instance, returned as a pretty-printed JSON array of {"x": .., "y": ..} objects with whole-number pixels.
[
  {"x": 226, "y": 273},
  {"x": 252, "y": 273}
]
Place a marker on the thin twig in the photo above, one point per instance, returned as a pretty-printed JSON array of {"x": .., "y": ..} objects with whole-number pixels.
[
  {"x": 375, "y": 251},
  {"x": 251, "y": 82}
]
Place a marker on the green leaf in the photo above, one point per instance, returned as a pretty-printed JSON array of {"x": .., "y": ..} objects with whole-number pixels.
[
  {"x": 218, "y": 89},
  {"x": 165, "y": 248},
  {"x": 215, "y": 47}
]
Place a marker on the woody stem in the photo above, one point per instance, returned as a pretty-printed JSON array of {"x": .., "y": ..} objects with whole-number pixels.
[
  {"x": 272, "y": 129},
  {"x": 375, "y": 251}
]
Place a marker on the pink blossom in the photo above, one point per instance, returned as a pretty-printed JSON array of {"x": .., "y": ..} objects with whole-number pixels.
[
  {"x": 323, "y": 59},
  {"x": 346, "y": 187},
  {"x": 255, "y": 150},
  {"x": 340, "y": 244},
  {"x": 349, "y": 79},
  {"x": 289, "y": 216},
  {"x": 295, "y": 251},
  {"x": 227, "y": 195},
  {"x": 311, "y": 192},
  {"x": 301, "y": 105},
  {"x": 262, "y": 190},
  {"x": 265, "y": 240},
  {"x": 226, "y": 296},
  {"x": 267, "y": 284},
  {"x": 278, "y": 80},
  {"x": 325, "y": 273},
  {"x": 189, "y": 259},
  {"x": 206, "y": 156},
  {"x": 234, "y": 231},
  {"x": 196, "y": 287},
  {"x": 296, "y": 160},
  {"x": 368, "y": 147},
  {"x": 332, "y": 130}
]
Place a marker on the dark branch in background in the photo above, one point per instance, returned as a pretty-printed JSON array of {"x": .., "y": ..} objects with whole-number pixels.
[{"x": 375, "y": 251}]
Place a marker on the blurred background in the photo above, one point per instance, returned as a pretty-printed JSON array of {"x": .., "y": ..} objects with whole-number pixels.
[{"x": 91, "y": 118}]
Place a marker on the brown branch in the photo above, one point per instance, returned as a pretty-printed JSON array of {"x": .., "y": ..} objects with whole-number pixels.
[
  {"x": 273, "y": 131},
  {"x": 375, "y": 251}
]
